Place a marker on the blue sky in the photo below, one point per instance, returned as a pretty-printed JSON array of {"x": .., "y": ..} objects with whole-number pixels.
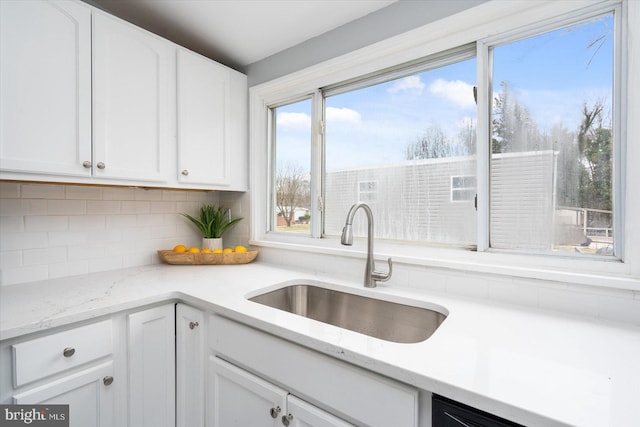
[{"x": 552, "y": 75}]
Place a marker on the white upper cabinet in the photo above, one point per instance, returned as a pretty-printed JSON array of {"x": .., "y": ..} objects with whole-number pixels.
[
  {"x": 211, "y": 126},
  {"x": 131, "y": 70},
  {"x": 203, "y": 106},
  {"x": 45, "y": 87},
  {"x": 88, "y": 98}
]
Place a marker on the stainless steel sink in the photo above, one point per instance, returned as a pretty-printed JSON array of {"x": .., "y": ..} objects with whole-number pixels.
[{"x": 377, "y": 318}]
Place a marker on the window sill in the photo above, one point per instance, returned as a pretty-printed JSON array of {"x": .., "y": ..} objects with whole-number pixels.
[{"x": 590, "y": 271}]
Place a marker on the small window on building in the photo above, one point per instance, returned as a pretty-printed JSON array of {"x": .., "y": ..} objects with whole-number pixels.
[
  {"x": 368, "y": 191},
  {"x": 463, "y": 188}
]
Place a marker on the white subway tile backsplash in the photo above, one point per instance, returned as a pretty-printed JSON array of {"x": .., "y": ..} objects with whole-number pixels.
[
  {"x": 103, "y": 207},
  {"x": 66, "y": 207},
  {"x": 66, "y": 269},
  {"x": 137, "y": 260},
  {"x": 105, "y": 263},
  {"x": 12, "y": 276},
  {"x": 10, "y": 259},
  {"x": 148, "y": 195},
  {"x": 11, "y": 224},
  {"x": 44, "y": 256},
  {"x": 46, "y": 223},
  {"x": 135, "y": 207},
  {"x": 174, "y": 196},
  {"x": 87, "y": 223},
  {"x": 9, "y": 190},
  {"x": 83, "y": 192},
  {"x": 150, "y": 220},
  {"x": 163, "y": 207},
  {"x": 38, "y": 191},
  {"x": 117, "y": 193},
  {"x": 22, "y": 241},
  {"x": 68, "y": 238},
  {"x": 121, "y": 221},
  {"x": 21, "y": 207},
  {"x": 84, "y": 252}
]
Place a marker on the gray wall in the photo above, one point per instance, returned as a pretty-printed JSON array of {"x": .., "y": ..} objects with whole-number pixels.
[{"x": 390, "y": 21}]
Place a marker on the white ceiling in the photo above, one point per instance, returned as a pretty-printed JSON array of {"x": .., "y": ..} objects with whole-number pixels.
[{"x": 240, "y": 32}]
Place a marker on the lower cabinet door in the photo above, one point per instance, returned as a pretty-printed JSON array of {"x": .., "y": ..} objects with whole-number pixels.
[
  {"x": 240, "y": 399},
  {"x": 151, "y": 348},
  {"x": 190, "y": 366},
  {"x": 88, "y": 393},
  {"x": 303, "y": 414}
]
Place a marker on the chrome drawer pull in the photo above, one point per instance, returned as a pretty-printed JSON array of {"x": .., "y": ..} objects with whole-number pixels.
[
  {"x": 68, "y": 352},
  {"x": 275, "y": 411},
  {"x": 107, "y": 380},
  {"x": 193, "y": 325}
]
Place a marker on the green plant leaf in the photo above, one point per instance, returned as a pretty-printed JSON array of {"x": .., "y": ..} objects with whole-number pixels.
[{"x": 212, "y": 222}]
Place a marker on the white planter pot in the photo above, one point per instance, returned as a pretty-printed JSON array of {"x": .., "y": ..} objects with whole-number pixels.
[{"x": 212, "y": 243}]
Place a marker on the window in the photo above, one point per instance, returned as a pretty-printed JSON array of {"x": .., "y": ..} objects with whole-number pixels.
[
  {"x": 291, "y": 179},
  {"x": 409, "y": 135},
  {"x": 463, "y": 188},
  {"x": 513, "y": 150},
  {"x": 368, "y": 191},
  {"x": 552, "y": 141}
]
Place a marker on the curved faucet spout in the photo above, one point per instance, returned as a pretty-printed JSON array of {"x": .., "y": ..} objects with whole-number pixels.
[{"x": 370, "y": 275}]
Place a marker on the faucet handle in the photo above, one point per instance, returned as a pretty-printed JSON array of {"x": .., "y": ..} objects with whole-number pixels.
[{"x": 379, "y": 276}]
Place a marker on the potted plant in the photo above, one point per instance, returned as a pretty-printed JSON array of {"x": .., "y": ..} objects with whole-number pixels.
[{"x": 212, "y": 223}]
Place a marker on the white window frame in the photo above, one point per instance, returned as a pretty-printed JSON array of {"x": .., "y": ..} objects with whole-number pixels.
[{"x": 481, "y": 24}]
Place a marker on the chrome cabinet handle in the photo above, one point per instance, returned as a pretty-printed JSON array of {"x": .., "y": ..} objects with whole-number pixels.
[
  {"x": 185, "y": 172},
  {"x": 107, "y": 380},
  {"x": 86, "y": 164},
  {"x": 193, "y": 325},
  {"x": 286, "y": 419},
  {"x": 274, "y": 412},
  {"x": 68, "y": 352},
  {"x": 101, "y": 165}
]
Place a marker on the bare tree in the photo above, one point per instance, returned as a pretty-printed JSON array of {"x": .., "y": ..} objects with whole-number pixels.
[
  {"x": 433, "y": 144},
  {"x": 292, "y": 191}
]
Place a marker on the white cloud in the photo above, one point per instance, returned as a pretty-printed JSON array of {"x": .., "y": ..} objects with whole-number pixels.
[
  {"x": 411, "y": 84},
  {"x": 456, "y": 91},
  {"x": 293, "y": 121},
  {"x": 342, "y": 115}
]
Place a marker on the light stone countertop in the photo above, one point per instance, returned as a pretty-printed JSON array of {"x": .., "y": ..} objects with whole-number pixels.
[{"x": 530, "y": 366}]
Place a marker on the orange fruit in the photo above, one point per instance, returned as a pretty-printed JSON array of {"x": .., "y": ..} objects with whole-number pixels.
[
  {"x": 227, "y": 250},
  {"x": 206, "y": 251},
  {"x": 194, "y": 249},
  {"x": 217, "y": 251},
  {"x": 180, "y": 248},
  {"x": 240, "y": 248}
]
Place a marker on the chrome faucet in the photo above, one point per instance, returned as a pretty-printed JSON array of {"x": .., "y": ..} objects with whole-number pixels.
[{"x": 370, "y": 275}]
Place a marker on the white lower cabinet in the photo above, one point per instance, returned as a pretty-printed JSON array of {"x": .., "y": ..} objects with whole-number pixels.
[
  {"x": 88, "y": 393},
  {"x": 239, "y": 398},
  {"x": 79, "y": 367},
  {"x": 151, "y": 367},
  {"x": 190, "y": 366},
  {"x": 339, "y": 392}
]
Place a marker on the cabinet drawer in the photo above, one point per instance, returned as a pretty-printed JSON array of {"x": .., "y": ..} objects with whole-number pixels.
[
  {"x": 48, "y": 355},
  {"x": 343, "y": 389}
]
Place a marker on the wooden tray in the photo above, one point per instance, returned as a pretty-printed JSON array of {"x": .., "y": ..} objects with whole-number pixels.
[{"x": 189, "y": 258}]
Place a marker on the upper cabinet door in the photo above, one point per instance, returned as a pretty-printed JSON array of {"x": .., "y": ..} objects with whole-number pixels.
[
  {"x": 45, "y": 87},
  {"x": 131, "y": 70},
  {"x": 203, "y": 120}
]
